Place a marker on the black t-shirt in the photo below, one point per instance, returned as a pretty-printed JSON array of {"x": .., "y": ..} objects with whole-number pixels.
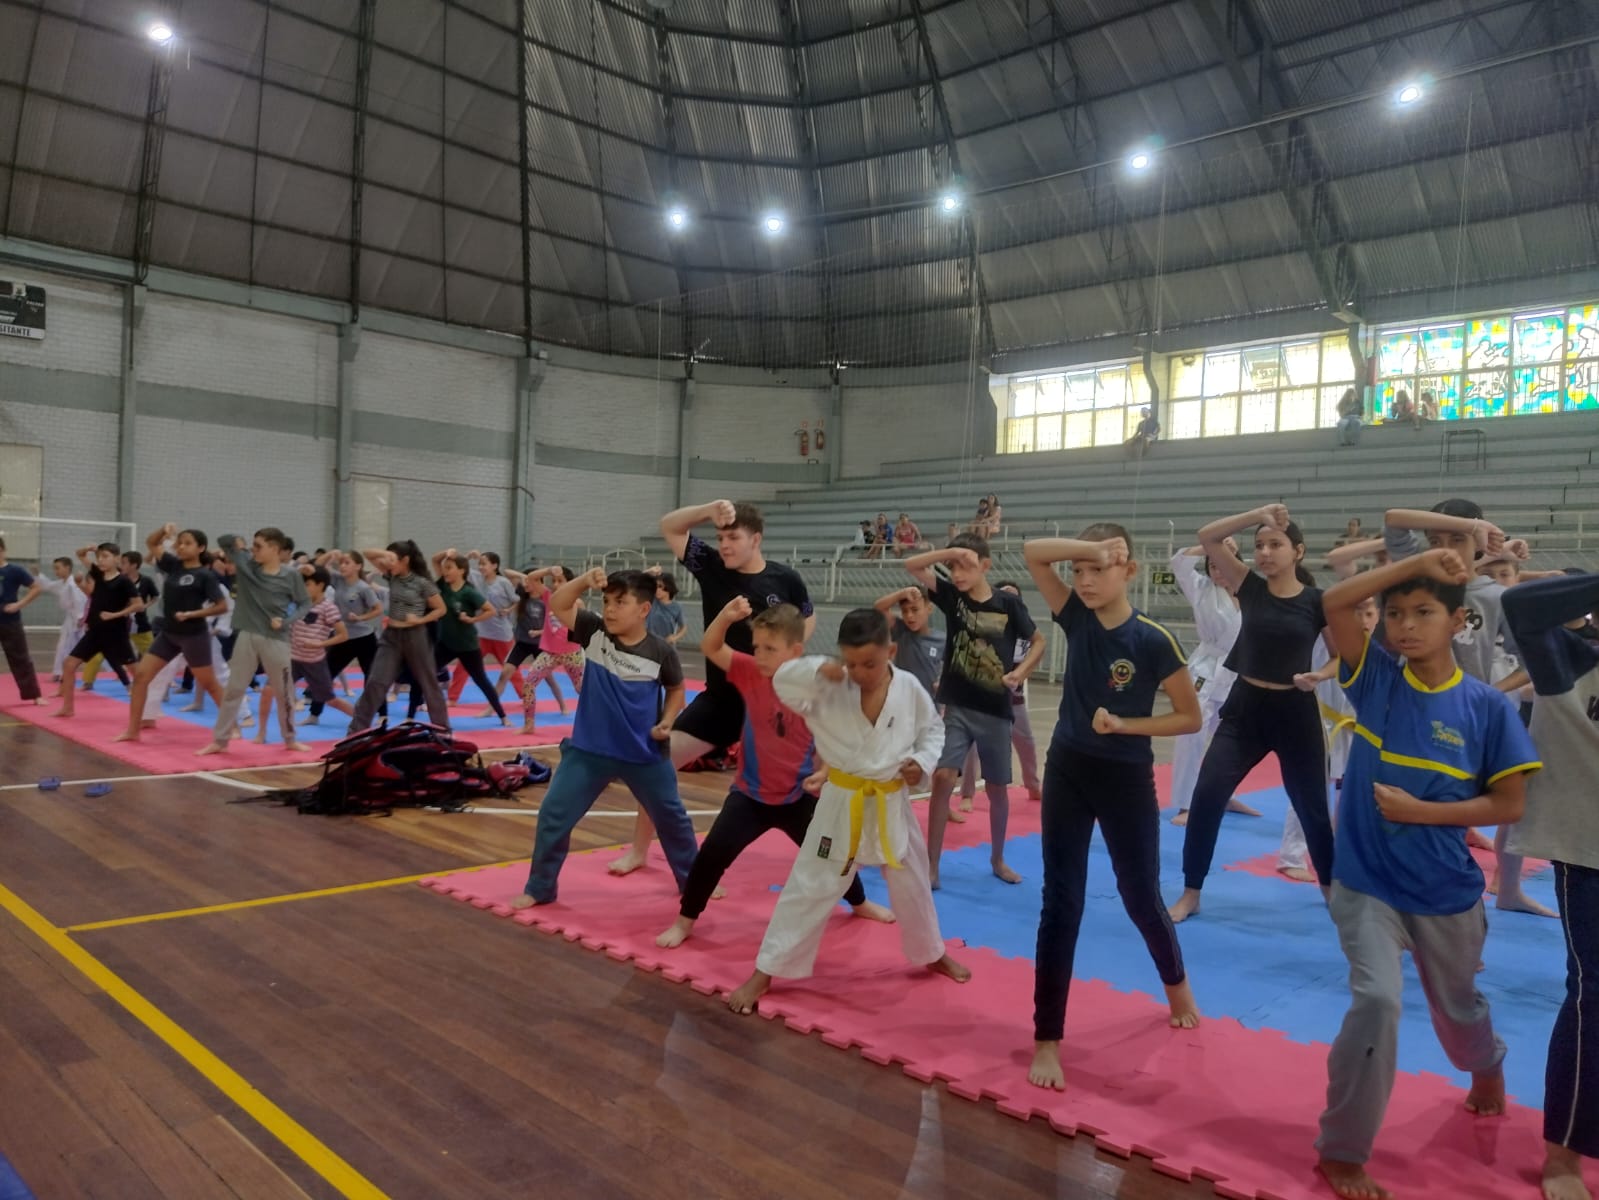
[
  {"x": 147, "y": 591},
  {"x": 981, "y": 648},
  {"x": 774, "y": 584},
  {"x": 186, "y": 590},
  {"x": 530, "y": 610},
  {"x": 1277, "y": 634},
  {"x": 1119, "y": 670},
  {"x": 110, "y": 595}
]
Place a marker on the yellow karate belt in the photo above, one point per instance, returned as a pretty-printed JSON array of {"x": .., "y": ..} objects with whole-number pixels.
[{"x": 862, "y": 790}]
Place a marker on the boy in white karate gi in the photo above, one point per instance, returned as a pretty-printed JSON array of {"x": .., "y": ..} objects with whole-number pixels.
[
  {"x": 73, "y": 604},
  {"x": 880, "y": 735}
]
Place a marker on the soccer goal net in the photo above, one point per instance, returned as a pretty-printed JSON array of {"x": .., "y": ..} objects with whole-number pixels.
[{"x": 37, "y": 543}]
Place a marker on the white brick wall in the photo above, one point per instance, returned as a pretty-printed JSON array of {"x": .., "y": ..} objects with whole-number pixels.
[
  {"x": 226, "y": 480},
  {"x": 80, "y": 457},
  {"x": 83, "y": 326},
  {"x": 581, "y": 508},
  {"x": 190, "y": 343},
  {"x": 431, "y": 504},
  {"x": 735, "y": 423},
  {"x": 891, "y": 424},
  {"x": 625, "y": 413},
  {"x": 440, "y": 383}
]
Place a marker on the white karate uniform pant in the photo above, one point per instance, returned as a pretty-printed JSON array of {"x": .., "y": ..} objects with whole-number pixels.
[
  {"x": 161, "y": 685},
  {"x": 71, "y": 631},
  {"x": 815, "y": 887},
  {"x": 1294, "y": 852}
]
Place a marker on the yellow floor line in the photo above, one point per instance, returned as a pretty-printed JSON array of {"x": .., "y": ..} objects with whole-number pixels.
[
  {"x": 294, "y": 1136},
  {"x": 233, "y": 905}
]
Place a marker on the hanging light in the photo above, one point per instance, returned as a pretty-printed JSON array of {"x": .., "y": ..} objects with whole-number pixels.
[
  {"x": 159, "y": 32},
  {"x": 773, "y": 224},
  {"x": 677, "y": 217},
  {"x": 1409, "y": 94}
]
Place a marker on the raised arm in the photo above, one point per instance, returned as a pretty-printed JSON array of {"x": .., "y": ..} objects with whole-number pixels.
[
  {"x": 714, "y": 644},
  {"x": 564, "y": 600},
  {"x": 1341, "y": 601},
  {"x": 380, "y": 558},
  {"x": 1489, "y": 537},
  {"x": 677, "y": 524},
  {"x": 158, "y": 538},
  {"x": 921, "y": 565},
  {"x": 1548, "y": 603},
  {"x": 1214, "y": 538},
  {"x": 889, "y": 604},
  {"x": 1041, "y": 555},
  {"x": 1342, "y": 559}
]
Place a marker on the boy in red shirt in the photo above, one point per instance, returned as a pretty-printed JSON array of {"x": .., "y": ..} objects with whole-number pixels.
[{"x": 777, "y": 762}]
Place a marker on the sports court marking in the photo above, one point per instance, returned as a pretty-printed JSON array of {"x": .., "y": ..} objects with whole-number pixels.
[
  {"x": 298, "y": 1140},
  {"x": 232, "y": 905}
]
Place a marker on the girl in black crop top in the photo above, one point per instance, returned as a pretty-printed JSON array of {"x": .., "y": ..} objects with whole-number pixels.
[{"x": 1272, "y": 708}]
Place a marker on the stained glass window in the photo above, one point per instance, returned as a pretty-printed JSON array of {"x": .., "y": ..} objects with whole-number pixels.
[
  {"x": 1442, "y": 347},
  {"x": 1540, "y": 337},
  {"x": 1537, "y": 390},
  {"x": 1485, "y": 394},
  {"x": 1487, "y": 343},
  {"x": 1396, "y": 353},
  {"x": 1582, "y": 386},
  {"x": 1445, "y": 391},
  {"x": 1582, "y": 333}
]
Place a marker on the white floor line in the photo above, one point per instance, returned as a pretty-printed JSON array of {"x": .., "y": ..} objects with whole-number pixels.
[
  {"x": 213, "y": 777},
  {"x": 533, "y": 812}
]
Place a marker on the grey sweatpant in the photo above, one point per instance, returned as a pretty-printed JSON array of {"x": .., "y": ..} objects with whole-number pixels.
[
  {"x": 1360, "y": 1067},
  {"x": 411, "y": 647},
  {"x": 273, "y": 656}
]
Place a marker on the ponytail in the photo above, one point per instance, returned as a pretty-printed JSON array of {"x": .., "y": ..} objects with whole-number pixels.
[
  {"x": 415, "y": 559},
  {"x": 1302, "y": 573}
]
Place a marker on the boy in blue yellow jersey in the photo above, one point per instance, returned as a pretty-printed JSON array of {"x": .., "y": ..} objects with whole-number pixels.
[{"x": 1435, "y": 753}]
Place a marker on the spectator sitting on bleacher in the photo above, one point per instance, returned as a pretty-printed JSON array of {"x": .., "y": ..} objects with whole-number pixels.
[
  {"x": 1404, "y": 408},
  {"x": 1349, "y": 413},
  {"x": 986, "y": 524},
  {"x": 1147, "y": 433},
  {"x": 864, "y": 535},
  {"x": 880, "y": 537},
  {"x": 907, "y": 538}
]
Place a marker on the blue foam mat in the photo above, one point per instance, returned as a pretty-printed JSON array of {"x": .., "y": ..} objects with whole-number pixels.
[
  {"x": 1263, "y": 950},
  {"x": 11, "y": 1185}
]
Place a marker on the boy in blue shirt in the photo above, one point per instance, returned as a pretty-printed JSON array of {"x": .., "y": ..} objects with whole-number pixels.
[
  {"x": 1435, "y": 753},
  {"x": 632, "y": 692},
  {"x": 1101, "y": 770}
]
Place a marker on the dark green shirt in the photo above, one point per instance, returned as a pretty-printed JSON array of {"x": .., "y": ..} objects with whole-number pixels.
[{"x": 454, "y": 633}]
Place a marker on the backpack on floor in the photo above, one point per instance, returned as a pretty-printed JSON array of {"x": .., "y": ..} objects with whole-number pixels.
[{"x": 384, "y": 768}]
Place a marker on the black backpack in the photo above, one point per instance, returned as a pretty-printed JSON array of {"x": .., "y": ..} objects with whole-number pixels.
[{"x": 383, "y": 768}]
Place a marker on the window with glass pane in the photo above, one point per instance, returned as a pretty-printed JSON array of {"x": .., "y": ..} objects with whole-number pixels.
[
  {"x": 1185, "y": 418},
  {"x": 1137, "y": 386},
  {"x": 1582, "y": 386},
  {"x": 1387, "y": 391},
  {"x": 1582, "y": 332},
  {"x": 1487, "y": 343},
  {"x": 1445, "y": 391},
  {"x": 1018, "y": 435},
  {"x": 1187, "y": 376},
  {"x": 1485, "y": 394},
  {"x": 1540, "y": 337},
  {"x": 1331, "y": 397},
  {"x": 1108, "y": 427},
  {"x": 1297, "y": 409},
  {"x": 1302, "y": 364},
  {"x": 1442, "y": 347},
  {"x": 1336, "y": 365},
  {"x": 1051, "y": 394},
  {"x": 1262, "y": 368},
  {"x": 1079, "y": 390},
  {"x": 1079, "y": 429},
  {"x": 1112, "y": 388},
  {"x": 1023, "y": 396},
  {"x": 1396, "y": 353},
  {"x": 1537, "y": 390},
  {"x": 1047, "y": 436},
  {"x": 1258, "y": 413},
  {"x": 1221, "y": 416},
  {"x": 1221, "y": 374}
]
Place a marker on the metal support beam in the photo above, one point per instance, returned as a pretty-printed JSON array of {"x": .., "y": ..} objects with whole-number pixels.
[
  {"x": 834, "y": 451},
  {"x": 668, "y": 87},
  {"x": 524, "y": 179},
  {"x": 344, "y": 437},
  {"x": 685, "y": 413},
  {"x": 945, "y": 136},
  {"x": 1301, "y": 175},
  {"x": 155, "y": 132},
  {"x": 133, "y": 298},
  {"x": 529, "y": 380},
  {"x": 363, "y": 87},
  {"x": 805, "y": 124}
]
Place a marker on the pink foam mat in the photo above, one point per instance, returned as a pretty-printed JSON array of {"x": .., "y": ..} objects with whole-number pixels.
[
  {"x": 1265, "y": 866},
  {"x": 169, "y": 748},
  {"x": 1234, "y": 1106}
]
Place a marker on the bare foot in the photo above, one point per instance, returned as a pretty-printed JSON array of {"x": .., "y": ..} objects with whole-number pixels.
[
  {"x": 1187, "y": 905},
  {"x": 1521, "y": 902},
  {"x": 191, "y": 708},
  {"x": 64, "y": 713},
  {"x": 748, "y": 994},
  {"x": 1236, "y": 805},
  {"x": 211, "y": 748},
  {"x": 676, "y": 934},
  {"x": 523, "y": 901},
  {"x": 948, "y": 966},
  {"x": 1045, "y": 1071},
  {"x": 1184, "y": 1010},
  {"x": 126, "y": 736},
  {"x": 147, "y": 724},
  {"x": 1562, "y": 1174},
  {"x": 1487, "y": 1095},
  {"x": 1298, "y": 874},
  {"x": 1036, "y": 795},
  {"x": 260, "y": 738},
  {"x": 1003, "y": 871},
  {"x": 1180, "y": 819},
  {"x": 628, "y": 863},
  {"x": 299, "y": 747},
  {"x": 528, "y": 729},
  {"x": 870, "y": 910},
  {"x": 957, "y": 815},
  {"x": 966, "y": 804},
  {"x": 1351, "y": 1182}
]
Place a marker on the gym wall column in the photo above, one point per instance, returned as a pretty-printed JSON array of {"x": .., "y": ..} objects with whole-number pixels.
[
  {"x": 343, "y": 454},
  {"x": 529, "y": 379},
  {"x": 132, "y": 316}
]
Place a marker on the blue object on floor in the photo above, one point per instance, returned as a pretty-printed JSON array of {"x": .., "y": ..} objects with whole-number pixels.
[
  {"x": 95, "y": 790},
  {"x": 1263, "y": 950},
  {"x": 11, "y": 1185},
  {"x": 50, "y": 783}
]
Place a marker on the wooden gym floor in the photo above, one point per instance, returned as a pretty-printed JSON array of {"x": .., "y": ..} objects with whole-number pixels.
[{"x": 201, "y": 998}]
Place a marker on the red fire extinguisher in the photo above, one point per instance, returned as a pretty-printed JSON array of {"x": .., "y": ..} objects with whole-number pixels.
[
  {"x": 821, "y": 438},
  {"x": 805, "y": 439}
]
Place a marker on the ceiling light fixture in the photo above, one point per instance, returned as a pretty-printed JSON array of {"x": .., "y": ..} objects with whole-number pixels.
[{"x": 159, "y": 32}]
